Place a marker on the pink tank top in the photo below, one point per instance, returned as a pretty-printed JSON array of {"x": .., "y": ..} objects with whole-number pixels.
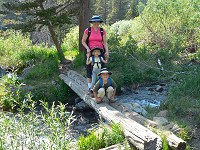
[{"x": 95, "y": 39}]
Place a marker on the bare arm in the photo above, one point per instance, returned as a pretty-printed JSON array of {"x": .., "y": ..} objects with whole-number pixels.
[
  {"x": 84, "y": 38},
  {"x": 88, "y": 59},
  {"x": 98, "y": 99},
  {"x": 104, "y": 60}
]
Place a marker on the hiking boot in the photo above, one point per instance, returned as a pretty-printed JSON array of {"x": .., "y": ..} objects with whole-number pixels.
[
  {"x": 90, "y": 92},
  {"x": 98, "y": 102}
]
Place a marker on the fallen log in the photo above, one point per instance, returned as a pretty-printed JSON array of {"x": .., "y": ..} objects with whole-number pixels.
[
  {"x": 141, "y": 137},
  {"x": 173, "y": 141},
  {"x": 134, "y": 115},
  {"x": 81, "y": 87}
]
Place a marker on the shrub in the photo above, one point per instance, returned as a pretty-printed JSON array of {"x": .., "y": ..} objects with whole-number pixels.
[
  {"x": 184, "y": 98},
  {"x": 12, "y": 96},
  {"x": 46, "y": 129}
]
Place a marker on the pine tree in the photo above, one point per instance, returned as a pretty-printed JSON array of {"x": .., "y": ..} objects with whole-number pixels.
[
  {"x": 32, "y": 15},
  {"x": 132, "y": 11},
  {"x": 118, "y": 10}
]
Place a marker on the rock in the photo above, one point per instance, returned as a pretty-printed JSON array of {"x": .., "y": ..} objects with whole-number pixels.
[
  {"x": 26, "y": 71},
  {"x": 168, "y": 126},
  {"x": 77, "y": 100},
  {"x": 123, "y": 89},
  {"x": 82, "y": 106},
  {"x": 151, "y": 89},
  {"x": 162, "y": 113},
  {"x": 2, "y": 72},
  {"x": 175, "y": 129},
  {"x": 137, "y": 108},
  {"x": 149, "y": 92},
  {"x": 53, "y": 82},
  {"x": 159, "y": 88},
  {"x": 162, "y": 84},
  {"x": 160, "y": 120},
  {"x": 136, "y": 92}
]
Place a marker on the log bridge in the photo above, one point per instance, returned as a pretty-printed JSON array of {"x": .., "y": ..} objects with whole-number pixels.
[{"x": 141, "y": 137}]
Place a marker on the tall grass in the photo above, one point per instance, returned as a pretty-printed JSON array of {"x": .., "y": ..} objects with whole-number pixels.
[
  {"x": 12, "y": 43},
  {"x": 101, "y": 139},
  {"x": 46, "y": 129},
  {"x": 184, "y": 98}
]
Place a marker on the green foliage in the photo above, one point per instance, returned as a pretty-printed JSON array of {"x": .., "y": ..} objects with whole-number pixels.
[
  {"x": 12, "y": 95},
  {"x": 37, "y": 65},
  {"x": 164, "y": 144},
  {"x": 103, "y": 139},
  {"x": 43, "y": 71},
  {"x": 71, "y": 41},
  {"x": 168, "y": 23},
  {"x": 11, "y": 45},
  {"x": 38, "y": 54},
  {"x": 29, "y": 130},
  {"x": 184, "y": 98},
  {"x": 132, "y": 12},
  {"x": 17, "y": 51},
  {"x": 50, "y": 92},
  {"x": 79, "y": 60},
  {"x": 136, "y": 64}
]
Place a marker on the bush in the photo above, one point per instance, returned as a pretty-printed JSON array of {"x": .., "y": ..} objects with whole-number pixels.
[
  {"x": 71, "y": 41},
  {"x": 12, "y": 95}
]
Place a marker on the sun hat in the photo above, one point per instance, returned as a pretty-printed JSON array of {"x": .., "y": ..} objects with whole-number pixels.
[
  {"x": 96, "y": 48},
  {"x": 104, "y": 70},
  {"x": 95, "y": 19}
]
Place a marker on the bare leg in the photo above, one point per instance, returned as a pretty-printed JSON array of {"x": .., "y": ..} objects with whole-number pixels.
[
  {"x": 89, "y": 81},
  {"x": 110, "y": 92}
]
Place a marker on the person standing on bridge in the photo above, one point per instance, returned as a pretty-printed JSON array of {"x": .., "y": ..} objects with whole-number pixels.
[
  {"x": 96, "y": 61},
  {"x": 94, "y": 36},
  {"x": 105, "y": 86}
]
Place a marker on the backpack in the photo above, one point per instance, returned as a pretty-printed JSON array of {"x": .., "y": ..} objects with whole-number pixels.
[
  {"x": 93, "y": 62},
  {"x": 101, "y": 82},
  {"x": 89, "y": 32}
]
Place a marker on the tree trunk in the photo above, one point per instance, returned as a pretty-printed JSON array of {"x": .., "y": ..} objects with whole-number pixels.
[
  {"x": 83, "y": 20},
  {"x": 55, "y": 39},
  {"x": 57, "y": 44}
]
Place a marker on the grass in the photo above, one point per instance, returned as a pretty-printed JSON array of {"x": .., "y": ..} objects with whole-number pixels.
[
  {"x": 98, "y": 139},
  {"x": 45, "y": 129},
  {"x": 184, "y": 98}
]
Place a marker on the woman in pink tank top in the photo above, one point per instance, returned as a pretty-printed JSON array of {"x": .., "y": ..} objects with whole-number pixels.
[{"x": 96, "y": 39}]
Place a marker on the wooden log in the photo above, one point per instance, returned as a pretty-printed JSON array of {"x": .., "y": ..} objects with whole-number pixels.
[
  {"x": 134, "y": 115},
  {"x": 175, "y": 142},
  {"x": 73, "y": 77},
  {"x": 141, "y": 137}
]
